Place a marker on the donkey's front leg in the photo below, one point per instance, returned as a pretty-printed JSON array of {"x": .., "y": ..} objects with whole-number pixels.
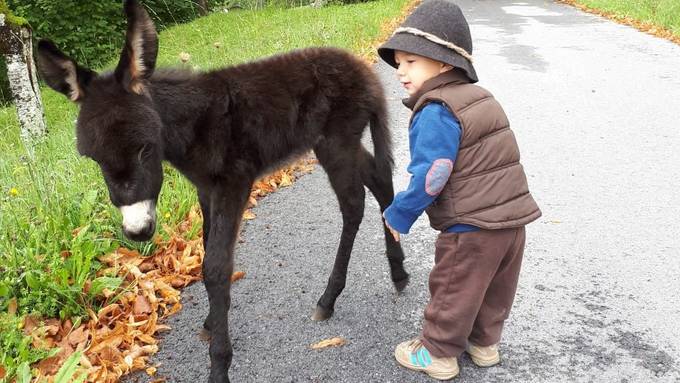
[
  {"x": 204, "y": 202},
  {"x": 226, "y": 210}
]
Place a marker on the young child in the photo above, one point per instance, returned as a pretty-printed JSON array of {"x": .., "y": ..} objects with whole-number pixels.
[{"x": 465, "y": 173}]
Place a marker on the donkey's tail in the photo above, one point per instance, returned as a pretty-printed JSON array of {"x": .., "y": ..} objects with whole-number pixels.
[{"x": 382, "y": 140}]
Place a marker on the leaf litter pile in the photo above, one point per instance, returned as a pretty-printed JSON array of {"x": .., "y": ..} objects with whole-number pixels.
[{"x": 121, "y": 336}]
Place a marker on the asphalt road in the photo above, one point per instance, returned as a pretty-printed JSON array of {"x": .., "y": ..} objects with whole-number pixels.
[{"x": 595, "y": 108}]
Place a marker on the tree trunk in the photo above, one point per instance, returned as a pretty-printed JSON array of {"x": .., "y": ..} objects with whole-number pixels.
[
  {"x": 17, "y": 48},
  {"x": 319, "y": 3}
]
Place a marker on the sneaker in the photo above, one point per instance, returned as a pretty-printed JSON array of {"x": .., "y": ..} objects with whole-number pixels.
[
  {"x": 483, "y": 356},
  {"x": 413, "y": 355}
]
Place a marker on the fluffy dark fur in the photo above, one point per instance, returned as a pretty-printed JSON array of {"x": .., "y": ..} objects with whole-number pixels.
[{"x": 223, "y": 129}]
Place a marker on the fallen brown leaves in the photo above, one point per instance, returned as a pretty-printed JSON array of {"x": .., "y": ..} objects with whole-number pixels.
[
  {"x": 121, "y": 336},
  {"x": 331, "y": 342},
  {"x": 236, "y": 275},
  {"x": 652, "y": 29}
]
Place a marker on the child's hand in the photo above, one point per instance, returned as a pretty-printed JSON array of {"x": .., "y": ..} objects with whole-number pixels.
[{"x": 395, "y": 233}]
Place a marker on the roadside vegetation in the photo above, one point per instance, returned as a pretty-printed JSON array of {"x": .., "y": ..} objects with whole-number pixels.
[{"x": 658, "y": 17}]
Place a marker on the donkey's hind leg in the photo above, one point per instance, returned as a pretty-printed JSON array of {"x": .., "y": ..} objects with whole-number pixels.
[
  {"x": 340, "y": 160},
  {"x": 381, "y": 187}
]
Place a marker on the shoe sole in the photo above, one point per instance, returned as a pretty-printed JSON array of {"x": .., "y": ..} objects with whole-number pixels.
[
  {"x": 436, "y": 375},
  {"x": 442, "y": 376},
  {"x": 486, "y": 362}
]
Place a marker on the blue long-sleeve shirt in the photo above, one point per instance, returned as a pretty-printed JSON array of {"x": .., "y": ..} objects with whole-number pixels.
[{"x": 434, "y": 139}]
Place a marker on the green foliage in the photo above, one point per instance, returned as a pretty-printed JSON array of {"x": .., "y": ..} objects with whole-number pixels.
[
  {"x": 92, "y": 32},
  {"x": 170, "y": 12},
  {"x": 89, "y": 31},
  {"x": 24, "y": 373},
  {"x": 47, "y": 246},
  {"x": 10, "y": 17},
  {"x": 16, "y": 353},
  {"x": 665, "y": 13},
  {"x": 68, "y": 370}
]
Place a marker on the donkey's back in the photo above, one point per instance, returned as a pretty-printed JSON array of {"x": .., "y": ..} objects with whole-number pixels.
[
  {"x": 288, "y": 102},
  {"x": 270, "y": 110}
]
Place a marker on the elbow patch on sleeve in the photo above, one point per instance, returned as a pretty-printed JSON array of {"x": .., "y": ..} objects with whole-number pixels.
[{"x": 438, "y": 175}]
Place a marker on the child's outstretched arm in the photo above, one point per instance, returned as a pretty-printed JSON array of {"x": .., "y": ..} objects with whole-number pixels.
[{"x": 434, "y": 139}]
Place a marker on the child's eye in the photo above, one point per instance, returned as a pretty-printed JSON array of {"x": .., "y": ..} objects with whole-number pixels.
[{"x": 410, "y": 61}]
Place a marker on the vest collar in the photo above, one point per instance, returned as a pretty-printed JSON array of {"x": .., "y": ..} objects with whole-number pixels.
[{"x": 453, "y": 76}]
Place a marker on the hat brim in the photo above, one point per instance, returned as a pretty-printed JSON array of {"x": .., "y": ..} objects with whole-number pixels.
[{"x": 417, "y": 45}]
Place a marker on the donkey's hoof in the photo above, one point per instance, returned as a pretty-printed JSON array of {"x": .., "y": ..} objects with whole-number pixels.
[
  {"x": 321, "y": 313},
  {"x": 218, "y": 376},
  {"x": 400, "y": 285}
]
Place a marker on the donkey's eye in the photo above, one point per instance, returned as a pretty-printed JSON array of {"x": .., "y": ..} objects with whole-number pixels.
[{"x": 144, "y": 153}]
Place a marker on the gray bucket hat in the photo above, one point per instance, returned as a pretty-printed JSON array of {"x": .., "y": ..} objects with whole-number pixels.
[{"x": 438, "y": 30}]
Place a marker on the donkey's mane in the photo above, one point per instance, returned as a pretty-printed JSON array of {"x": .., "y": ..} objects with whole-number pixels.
[{"x": 170, "y": 75}]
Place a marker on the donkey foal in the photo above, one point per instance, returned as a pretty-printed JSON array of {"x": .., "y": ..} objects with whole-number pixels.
[{"x": 223, "y": 129}]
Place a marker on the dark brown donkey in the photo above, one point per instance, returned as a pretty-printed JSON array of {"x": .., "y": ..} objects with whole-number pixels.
[{"x": 222, "y": 129}]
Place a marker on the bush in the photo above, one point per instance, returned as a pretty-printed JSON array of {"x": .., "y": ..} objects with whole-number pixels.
[
  {"x": 88, "y": 31},
  {"x": 92, "y": 31}
]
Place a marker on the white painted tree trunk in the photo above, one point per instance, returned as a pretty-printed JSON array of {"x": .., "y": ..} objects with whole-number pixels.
[{"x": 23, "y": 81}]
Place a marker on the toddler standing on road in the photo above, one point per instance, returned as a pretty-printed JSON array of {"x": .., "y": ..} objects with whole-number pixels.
[{"x": 465, "y": 172}]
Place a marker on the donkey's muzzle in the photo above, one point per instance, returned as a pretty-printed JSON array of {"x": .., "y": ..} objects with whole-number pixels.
[
  {"x": 139, "y": 220},
  {"x": 141, "y": 236}
]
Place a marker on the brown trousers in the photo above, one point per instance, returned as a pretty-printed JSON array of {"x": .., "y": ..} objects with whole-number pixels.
[{"x": 472, "y": 286}]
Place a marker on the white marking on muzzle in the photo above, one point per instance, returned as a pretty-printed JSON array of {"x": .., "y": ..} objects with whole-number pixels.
[{"x": 138, "y": 216}]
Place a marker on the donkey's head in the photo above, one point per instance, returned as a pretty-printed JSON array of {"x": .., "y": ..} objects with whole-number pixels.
[{"x": 117, "y": 125}]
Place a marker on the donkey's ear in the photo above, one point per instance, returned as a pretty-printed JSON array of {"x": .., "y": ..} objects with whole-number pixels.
[
  {"x": 138, "y": 58},
  {"x": 61, "y": 72}
]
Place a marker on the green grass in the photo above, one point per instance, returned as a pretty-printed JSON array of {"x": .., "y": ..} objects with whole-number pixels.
[
  {"x": 665, "y": 13},
  {"x": 55, "y": 216}
]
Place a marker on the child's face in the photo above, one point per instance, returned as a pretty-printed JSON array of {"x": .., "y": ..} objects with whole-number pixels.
[{"x": 414, "y": 70}]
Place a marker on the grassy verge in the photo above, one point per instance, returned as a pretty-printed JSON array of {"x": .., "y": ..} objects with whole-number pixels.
[
  {"x": 55, "y": 217},
  {"x": 658, "y": 17}
]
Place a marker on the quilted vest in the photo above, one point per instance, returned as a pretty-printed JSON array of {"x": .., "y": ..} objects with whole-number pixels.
[{"x": 488, "y": 187}]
